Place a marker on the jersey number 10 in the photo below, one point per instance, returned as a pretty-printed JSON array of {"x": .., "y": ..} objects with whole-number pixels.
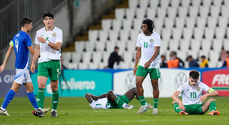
[
  {"x": 145, "y": 44},
  {"x": 193, "y": 95}
]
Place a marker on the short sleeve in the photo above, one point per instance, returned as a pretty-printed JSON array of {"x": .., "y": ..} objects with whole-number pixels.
[
  {"x": 36, "y": 38},
  {"x": 205, "y": 87},
  {"x": 59, "y": 36},
  {"x": 138, "y": 44},
  {"x": 158, "y": 41},
  {"x": 11, "y": 43},
  {"x": 181, "y": 88},
  {"x": 28, "y": 41}
]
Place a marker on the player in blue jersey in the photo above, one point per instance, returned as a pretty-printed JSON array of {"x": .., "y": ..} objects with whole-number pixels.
[{"x": 22, "y": 45}]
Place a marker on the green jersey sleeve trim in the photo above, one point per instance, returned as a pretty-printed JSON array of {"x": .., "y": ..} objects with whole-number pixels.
[{"x": 11, "y": 43}]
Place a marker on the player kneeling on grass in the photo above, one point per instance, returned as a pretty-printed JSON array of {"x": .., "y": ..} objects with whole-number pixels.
[
  {"x": 110, "y": 100},
  {"x": 192, "y": 98}
]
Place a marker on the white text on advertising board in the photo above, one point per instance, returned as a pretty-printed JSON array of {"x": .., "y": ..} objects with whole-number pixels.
[
  {"x": 7, "y": 79},
  {"x": 220, "y": 79}
]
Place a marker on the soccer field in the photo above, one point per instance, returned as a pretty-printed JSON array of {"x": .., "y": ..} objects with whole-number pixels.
[{"x": 77, "y": 111}]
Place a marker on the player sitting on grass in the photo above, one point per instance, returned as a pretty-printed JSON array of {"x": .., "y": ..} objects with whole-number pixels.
[
  {"x": 192, "y": 98},
  {"x": 110, "y": 100}
]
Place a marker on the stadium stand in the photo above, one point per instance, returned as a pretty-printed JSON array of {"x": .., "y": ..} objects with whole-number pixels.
[{"x": 190, "y": 27}]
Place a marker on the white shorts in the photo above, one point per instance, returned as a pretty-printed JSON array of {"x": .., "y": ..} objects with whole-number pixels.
[
  {"x": 22, "y": 76},
  {"x": 99, "y": 104}
]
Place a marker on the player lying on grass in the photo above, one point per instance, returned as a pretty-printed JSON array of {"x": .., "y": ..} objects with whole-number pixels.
[
  {"x": 192, "y": 97},
  {"x": 111, "y": 101}
]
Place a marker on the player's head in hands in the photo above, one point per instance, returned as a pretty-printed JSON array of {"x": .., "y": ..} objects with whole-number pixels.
[
  {"x": 147, "y": 26},
  {"x": 26, "y": 24},
  {"x": 48, "y": 20},
  {"x": 193, "y": 77}
]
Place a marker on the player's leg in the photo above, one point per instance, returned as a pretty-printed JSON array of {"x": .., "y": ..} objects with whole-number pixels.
[
  {"x": 131, "y": 93},
  {"x": 177, "y": 109},
  {"x": 89, "y": 98},
  {"x": 211, "y": 105},
  {"x": 155, "y": 75},
  {"x": 117, "y": 100},
  {"x": 9, "y": 97},
  {"x": 30, "y": 94}
]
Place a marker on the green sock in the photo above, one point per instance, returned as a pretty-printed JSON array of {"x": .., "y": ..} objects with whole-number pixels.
[
  {"x": 155, "y": 103},
  {"x": 40, "y": 97},
  {"x": 119, "y": 101},
  {"x": 212, "y": 106},
  {"x": 142, "y": 100},
  {"x": 176, "y": 107},
  {"x": 55, "y": 98}
]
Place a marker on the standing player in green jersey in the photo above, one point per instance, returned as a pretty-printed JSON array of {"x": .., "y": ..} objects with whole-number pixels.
[
  {"x": 192, "y": 98},
  {"x": 148, "y": 47},
  {"x": 48, "y": 44}
]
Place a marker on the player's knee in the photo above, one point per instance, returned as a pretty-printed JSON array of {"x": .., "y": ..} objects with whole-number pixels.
[
  {"x": 54, "y": 88},
  {"x": 211, "y": 99},
  {"x": 173, "y": 102}
]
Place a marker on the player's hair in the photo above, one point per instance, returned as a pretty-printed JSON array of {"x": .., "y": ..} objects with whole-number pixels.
[
  {"x": 24, "y": 21},
  {"x": 227, "y": 52},
  {"x": 48, "y": 14},
  {"x": 194, "y": 74},
  {"x": 204, "y": 57},
  {"x": 116, "y": 47},
  {"x": 149, "y": 24},
  {"x": 173, "y": 53}
]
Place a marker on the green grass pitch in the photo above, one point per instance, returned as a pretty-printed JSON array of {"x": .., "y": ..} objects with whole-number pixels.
[{"x": 76, "y": 111}]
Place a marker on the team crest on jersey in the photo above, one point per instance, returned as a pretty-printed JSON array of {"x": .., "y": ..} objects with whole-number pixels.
[
  {"x": 198, "y": 88},
  {"x": 151, "y": 40},
  {"x": 54, "y": 34},
  {"x": 17, "y": 35}
]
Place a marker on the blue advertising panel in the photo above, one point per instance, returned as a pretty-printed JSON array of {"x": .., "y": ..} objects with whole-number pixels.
[
  {"x": 6, "y": 81},
  {"x": 79, "y": 82}
]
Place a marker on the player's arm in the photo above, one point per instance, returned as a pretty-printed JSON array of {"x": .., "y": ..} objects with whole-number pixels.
[
  {"x": 36, "y": 54},
  {"x": 177, "y": 100},
  {"x": 55, "y": 46},
  {"x": 155, "y": 54},
  {"x": 210, "y": 92},
  {"x": 8, "y": 53},
  {"x": 31, "y": 49},
  {"x": 138, "y": 56}
]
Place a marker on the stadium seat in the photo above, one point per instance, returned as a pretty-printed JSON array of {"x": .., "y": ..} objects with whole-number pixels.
[
  {"x": 124, "y": 35},
  {"x": 224, "y": 11},
  {"x": 119, "y": 13},
  {"x": 173, "y": 44},
  {"x": 105, "y": 57},
  {"x": 206, "y": 44},
  {"x": 154, "y": 4},
  {"x": 72, "y": 65},
  {"x": 100, "y": 46},
  {"x": 127, "y": 24},
  {"x": 201, "y": 22},
  {"x": 205, "y": 53},
  {"x": 211, "y": 22},
  {"x": 130, "y": 13},
  {"x": 164, "y": 3},
  {"x": 182, "y": 55},
  {"x": 184, "y": 45},
  {"x": 93, "y": 66},
  {"x": 185, "y": 3},
  {"x": 172, "y": 12},
  {"x": 196, "y": 3},
  {"x": 79, "y": 46},
  {"x": 190, "y": 23},
  {"x": 212, "y": 64},
  {"x": 134, "y": 35},
  {"x": 193, "y": 53},
  {"x": 150, "y": 12},
  {"x": 164, "y": 45},
  {"x": 215, "y": 10},
  {"x": 169, "y": 23},
  {"x": 219, "y": 64},
  {"x": 175, "y": 3},
  {"x": 209, "y": 33},
  {"x": 102, "y": 65},
  {"x": 144, "y": 4},
  {"x": 128, "y": 56},
  {"x": 133, "y": 3},
  {"x": 203, "y": 11},
  {"x": 217, "y": 45},
  {"x": 131, "y": 46},
  {"x": 116, "y": 24},
  {"x": 66, "y": 57},
  {"x": 195, "y": 45},
  {"x": 93, "y": 35},
  {"x": 222, "y": 22},
  {"x": 83, "y": 66},
  {"x": 214, "y": 56},
  {"x": 220, "y": 33},
  {"x": 198, "y": 33},
  {"x": 182, "y": 12},
  {"x": 110, "y": 46},
  {"x": 121, "y": 45},
  {"x": 140, "y": 13},
  {"x": 113, "y": 35},
  {"x": 76, "y": 57},
  {"x": 86, "y": 57},
  {"x": 179, "y": 23},
  {"x": 193, "y": 11},
  {"x": 226, "y": 3},
  {"x": 166, "y": 34},
  {"x": 207, "y": 3},
  {"x": 187, "y": 34},
  {"x": 217, "y": 3},
  {"x": 176, "y": 34},
  {"x": 226, "y": 44},
  {"x": 106, "y": 24},
  {"x": 158, "y": 23},
  {"x": 137, "y": 24},
  {"x": 161, "y": 12},
  {"x": 103, "y": 35},
  {"x": 90, "y": 46}
]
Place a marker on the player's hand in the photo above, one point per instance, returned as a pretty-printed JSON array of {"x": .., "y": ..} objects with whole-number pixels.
[
  {"x": 147, "y": 64},
  {"x": 135, "y": 70},
  {"x": 203, "y": 98},
  {"x": 41, "y": 39},
  {"x": 32, "y": 68},
  {"x": 2, "y": 68},
  {"x": 181, "y": 106}
]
